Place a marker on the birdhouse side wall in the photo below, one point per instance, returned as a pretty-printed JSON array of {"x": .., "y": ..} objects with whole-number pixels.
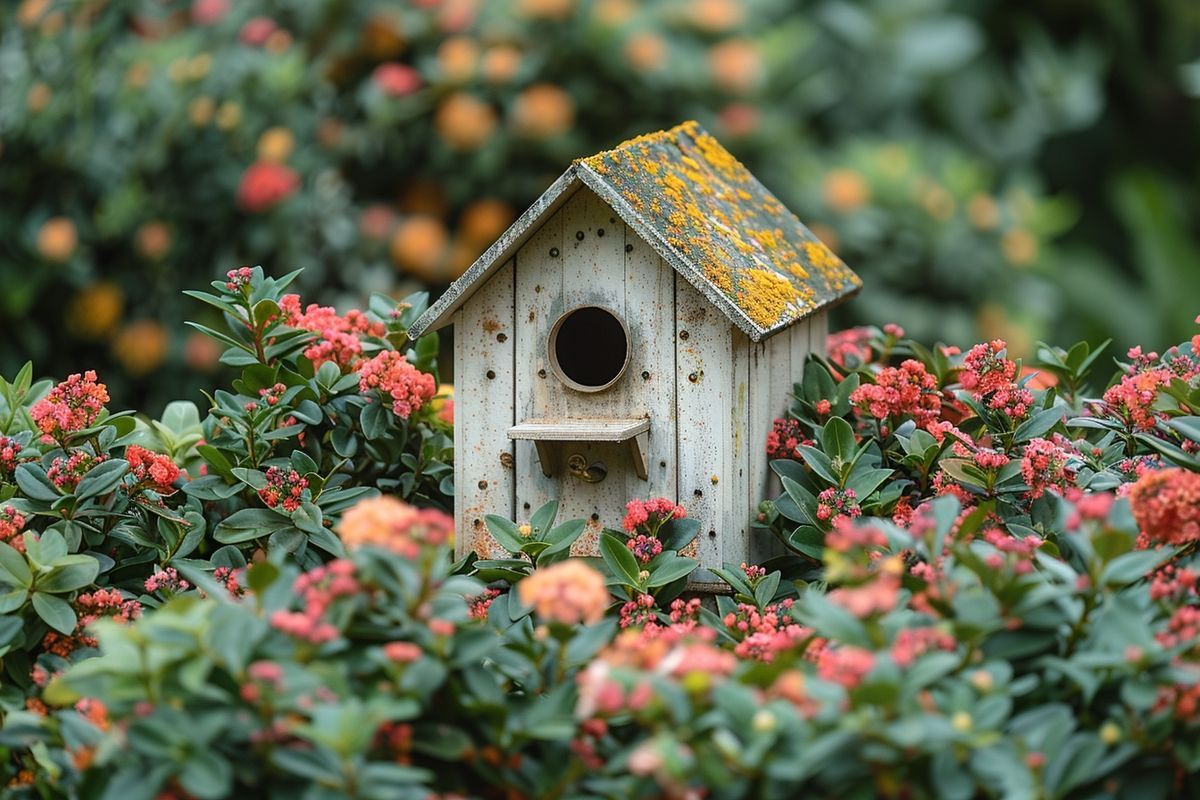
[
  {"x": 775, "y": 366},
  {"x": 585, "y": 255},
  {"x": 484, "y": 474}
]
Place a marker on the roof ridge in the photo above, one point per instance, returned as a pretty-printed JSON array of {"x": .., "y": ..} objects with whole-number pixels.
[{"x": 688, "y": 126}]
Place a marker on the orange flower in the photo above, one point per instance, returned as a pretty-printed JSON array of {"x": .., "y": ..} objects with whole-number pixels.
[
  {"x": 418, "y": 246},
  {"x": 141, "y": 346},
  {"x": 845, "y": 190},
  {"x": 57, "y": 239},
  {"x": 569, "y": 592},
  {"x": 464, "y": 121},
  {"x": 95, "y": 311},
  {"x": 543, "y": 111}
]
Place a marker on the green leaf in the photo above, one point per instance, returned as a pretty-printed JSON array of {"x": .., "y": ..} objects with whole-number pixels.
[
  {"x": 69, "y": 573},
  {"x": 1131, "y": 567},
  {"x": 837, "y": 437},
  {"x": 764, "y": 592},
  {"x": 14, "y": 570},
  {"x": 670, "y": 570},
  {"x": 543, "y": 518},
  {"x": 55, "y": 612},
  {"x": 820, "y": 464},
  {"x": 261, "y": 575},
  {"x": 102, "y": 478},
  {"x": 32, "y": 481},
  {"x": 1038, "y": 424},
  {"x": 247, "y": 524},
  {"x": 375, "y": 419},
  {"x": 619, "y": 560},
  {"x": 505, "y": 532}
]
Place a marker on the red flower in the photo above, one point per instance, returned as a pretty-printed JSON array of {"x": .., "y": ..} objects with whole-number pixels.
[
  {"x": 264, "y": 185},
  {"x": 209, "y": 12},
  {"x": 256, "y": 31},
  {"x": 396, "y": 80},
  {"x": 152, "y": 471}
]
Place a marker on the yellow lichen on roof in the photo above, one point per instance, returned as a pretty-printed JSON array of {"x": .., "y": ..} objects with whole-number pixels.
[{"x": 723, "y": 223}]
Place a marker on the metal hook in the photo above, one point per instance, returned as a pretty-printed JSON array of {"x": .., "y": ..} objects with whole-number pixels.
[{"x": 588, "y": 473}]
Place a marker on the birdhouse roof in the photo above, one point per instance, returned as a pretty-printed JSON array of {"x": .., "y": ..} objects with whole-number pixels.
[{"x": 706, "y": 215}]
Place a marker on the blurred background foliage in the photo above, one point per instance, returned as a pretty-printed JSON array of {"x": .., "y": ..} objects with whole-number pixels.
[{"x": 1024, "y": 170}]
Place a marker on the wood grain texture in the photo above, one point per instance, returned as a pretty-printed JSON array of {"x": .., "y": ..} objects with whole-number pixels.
[{"x": 483, "y": 355}]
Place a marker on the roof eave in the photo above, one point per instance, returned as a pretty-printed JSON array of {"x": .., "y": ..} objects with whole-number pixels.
[{"x": 439, "y": 314}]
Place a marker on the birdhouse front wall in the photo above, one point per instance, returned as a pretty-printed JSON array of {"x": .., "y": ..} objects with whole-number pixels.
[{"x": 709, "y": 393}]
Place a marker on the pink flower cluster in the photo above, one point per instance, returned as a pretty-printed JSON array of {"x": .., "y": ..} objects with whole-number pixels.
[
  {"x": 228, "y": 577},
  {"x": 1134, "y": 396},
  {"x": 638, "y": 613},
  {"x": 990, "y": 377},
  {"x": 12, "y": 522},
  {"x": 238, "y": 279},
  {"x": 1044, "y": 465},
  {"x": 1173, "y": 583},
  {"x": 66, "y": 472},
  {"x": 988, "y": 459},
  {"x": 834, "y": 504},
  {"x": 478, "y": 606},
  {"x": 764, "y": 633},
  {"x": 1166, "y": 505},
  {"x": 846, "y": 666},
  {"x": 10, "y": 457},
  {"x": 150, "y": 470},
  {"x": 569, "y": 592},
  {"x": 405, "y": 386},
  {"x": 166, "y": 580},
  {"x": 905, "y": 391},
  {"x": 644, "y": 548},
  {"x": 284, "y": 489},
  {"x": 392, "y": 524},
  {"x": 73, "y": 405},
  {"x": 89, "y": 607},
  {"x": 317, "y": 589},
  {"x": 106, "y": 603},
  {"x": 911, "y": 643},
  {"x": 849, "y": 348},
  {"x": 784, "y": 438},
  {"x": 649, "y": 516},
  {"x": 877, "y": 595},
  {"x": 339, "y": 338},
  {"x": 263, "y": 675},
  {"x": 1019, "y": 551}
]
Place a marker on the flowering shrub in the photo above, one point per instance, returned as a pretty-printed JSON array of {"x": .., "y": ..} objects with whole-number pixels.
[{"x": 999, "y": 600}]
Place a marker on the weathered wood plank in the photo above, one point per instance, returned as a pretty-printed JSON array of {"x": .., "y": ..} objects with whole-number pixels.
[
  {"x": 539, "y": 303},
  {"x": 650, "y": 316},
  {"x": 483, "y": 355},
  {"x": 703, "y": 384}
]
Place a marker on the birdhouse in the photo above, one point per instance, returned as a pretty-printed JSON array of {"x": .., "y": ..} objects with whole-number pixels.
[{"x": 634, "y": 334}]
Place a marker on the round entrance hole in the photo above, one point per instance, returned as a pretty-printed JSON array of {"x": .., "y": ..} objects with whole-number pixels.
[{"x": 589, "y": 348}]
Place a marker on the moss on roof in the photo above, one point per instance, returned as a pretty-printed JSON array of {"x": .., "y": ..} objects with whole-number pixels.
[{"x": 716, "y": 216}]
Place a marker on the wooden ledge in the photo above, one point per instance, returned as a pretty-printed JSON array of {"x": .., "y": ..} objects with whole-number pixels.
[
  {"x": 542, "y": 431},
  {"x": 579, "y": 430}
]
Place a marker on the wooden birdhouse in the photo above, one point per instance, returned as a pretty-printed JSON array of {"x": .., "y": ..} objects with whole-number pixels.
[{"x": 634, "y": 334}]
